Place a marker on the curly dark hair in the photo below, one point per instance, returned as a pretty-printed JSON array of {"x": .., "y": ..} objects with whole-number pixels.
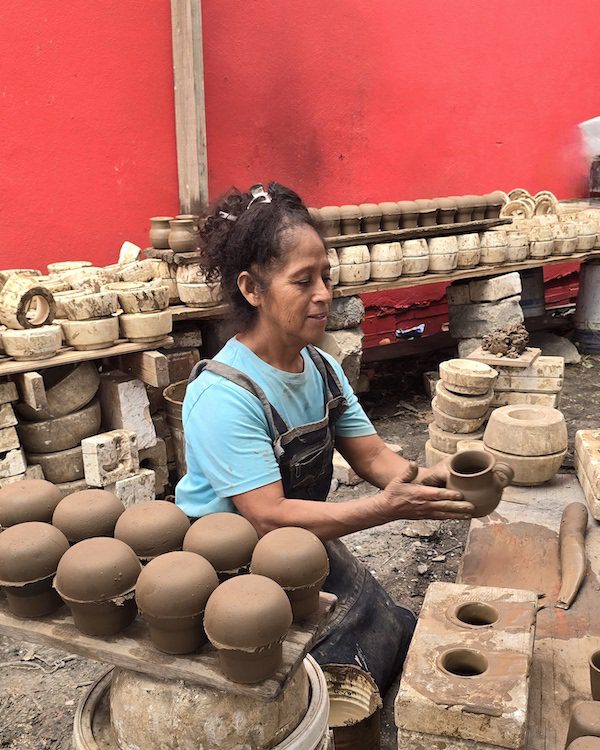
[{"x": 251, "y": 239}]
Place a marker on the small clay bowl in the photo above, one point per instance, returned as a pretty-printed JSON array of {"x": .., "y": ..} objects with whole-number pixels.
[
  {"x": 29, "y": 556},
  {"x": 297, "y": 560},
  {"x": 89, "y": 513},
  {"x": 171, "y": 594},
  {"x": 152, "y": 528},
  {"x": 226, "y": 540},
  {"x": 28, "y": 500},
  {"x": 96, "y": 579},
  {"x": 246, "y": 620}
]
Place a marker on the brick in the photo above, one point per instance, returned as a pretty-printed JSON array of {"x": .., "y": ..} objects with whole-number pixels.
[
  {"x": 504, "y": 398},
  {"x": 345, "y": 312},
  {"x": 109, "y": 457},
  {"x": 135, "y": 489},
  {"x": 475, "y": 320},
  {"x": 7, "y": 416},
  {"x": 9, "y": 440},
  {"x": 12, "y": 463},
  {"x": 125, "y": 406},
  {"x": 31, "y": 472},
  {"x": 346, "y": 348},
  {"x": 458, "y": 294},
  {"x": 528, "y": 384},
  {"x": 496, "y": 288},
  {"x": 181, "y": 363},
  {"x": 8, "y": 392},
  {"x": 543, "y": 367}
]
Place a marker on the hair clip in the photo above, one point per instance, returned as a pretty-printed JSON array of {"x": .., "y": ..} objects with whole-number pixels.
[
  {"x": 229, "y": 217},
  {"x": 259, "y": 195}
]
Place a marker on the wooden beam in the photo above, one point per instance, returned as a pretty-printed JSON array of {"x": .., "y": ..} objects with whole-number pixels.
[
  {"x": 151, "y": 368},
  {"x": 190, "y": 122}
]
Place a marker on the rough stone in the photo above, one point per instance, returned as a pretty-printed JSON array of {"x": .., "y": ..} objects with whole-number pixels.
[
  {"x": 554, "y": 345},
  {"x": 495, "y": 288},
  {"x": 7, "y": 416},
  {"x": 8, "y": 392},
  {"x": 125, "y": 406},
  {"x": 345, "y": 312},
  {"x": 468, "y": 346},
  {"x": 346, "y": 348},
  {"x": 109, "y": 457},
  {"x": 12, "y": 463},
  {"x": 458, "y": 294},
  {"x": 475, "y": 320},
  {"x": 31, "y": 472},
  {"x": 9, "y": 440},
  {"x": 134, "y": 489}
]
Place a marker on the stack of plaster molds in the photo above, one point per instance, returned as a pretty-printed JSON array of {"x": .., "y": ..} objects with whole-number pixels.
[
  {"x": 540, "y": 383},
  {"x": 88, "y": 317},
  {"x": 466, "y": 677},
  {"x": 479, "y": 307},
  {"x": 463, "y": 396},
  {"x": 144, "y": 317},
  {"x": 587, "y": 465},
  {"x": 13, "y": 463}
]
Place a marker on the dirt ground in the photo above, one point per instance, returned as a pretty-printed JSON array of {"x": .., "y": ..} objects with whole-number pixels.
[{"x": 40, "y": 687}]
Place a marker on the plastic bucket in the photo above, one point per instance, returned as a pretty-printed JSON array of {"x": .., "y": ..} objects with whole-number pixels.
[
  {"x": 587, "y": 312},
  {"x": 92, "y": 728},
  {"x": 174, "y": 395}
]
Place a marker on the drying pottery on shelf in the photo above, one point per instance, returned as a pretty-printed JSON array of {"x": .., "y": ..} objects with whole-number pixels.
[
  {"x": 86, "y": 514},
  {"x": 386, "y": 261},
  {"x": 480, "y": 478},
  {"x": 446, "y": 209},
  {"x": 96, "y": 579},
  {"x": 469, "y": 250},
  {"x": 246, "y": 620},
  {"x": 587, "y": 234},
  {"x": 494, "y": 247},
  {"x": 427, "y": 213},
  {"x": 443, "y": 254},
  {"x": 139, "y": 270},
  {"x": 464, "y": 208},
  {"x": 140, "y": 296},
  {"x": 61, "y": 298},
  {"x": 86, "y": 335},
  {"x": 54, "y": 283},
  {"x": 159, "y": 232},
  {"x": 565, "y": 238},
  {"x": 297, "y": 560},
  {"x": 29, "y": 556},
  {"x": 226, "y": 540},
  {"x": 25, "y": 304},
  {"x": 171, "y": 594},
  {"x": 350, "y": 219},
  {"x": 409, "y": 214},
  {"x": 541, "y": 241},
  {"x": 68, "y": 388},
  {"x": 90, "y": 279},
  {"x": 415, "y": 257},
  {"x": 27, "y": 500},
  {"x": 203, "y": 294},
  {"x": 152, "y": 528},
  {"x": 90, "y": 306},
  {"x": 494, "y": 203},
  {"x": 183, "y": 235},
  {"x": 334, "y": 265},
  {"x": 390, "y": 215},
  {"x": 190, "y": 273},
  {"x": 67, "y": 265},
  {"x": 467, "y": 377},
  {"x": 517, "y": 248},
  {"x": 370, "y": 217},
  {"x": 355, "y": 264},
  {"x": 32, "y": 343},
  {"x": 330, "y": 220},
  {"x": 146, "y": 327}
]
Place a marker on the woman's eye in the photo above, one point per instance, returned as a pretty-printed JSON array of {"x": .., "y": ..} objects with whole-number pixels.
[{"x": 303, "y": 282}]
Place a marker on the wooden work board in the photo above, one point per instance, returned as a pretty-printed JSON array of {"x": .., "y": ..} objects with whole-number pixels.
[
  {"x": 517, "y": 547},
  {"x": 132, "y": 649}
]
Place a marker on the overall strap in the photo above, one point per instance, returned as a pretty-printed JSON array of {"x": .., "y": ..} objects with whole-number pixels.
[
  {"x": 331, "y": 380},
  {"x": 276, "y": 423}
]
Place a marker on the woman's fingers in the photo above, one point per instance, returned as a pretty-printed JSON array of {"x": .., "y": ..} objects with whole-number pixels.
[
  {"x": 449, "y": 506},
  {"x": 410, "y": 472}
]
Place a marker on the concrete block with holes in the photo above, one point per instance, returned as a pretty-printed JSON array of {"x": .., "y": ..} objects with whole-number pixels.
[
  {"x": 109, "y": 457},
  {"x": 465, "y": 682}
]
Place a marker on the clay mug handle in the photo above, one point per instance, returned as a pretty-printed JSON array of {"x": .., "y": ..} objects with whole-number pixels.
[{"x": 503, "y": 474}]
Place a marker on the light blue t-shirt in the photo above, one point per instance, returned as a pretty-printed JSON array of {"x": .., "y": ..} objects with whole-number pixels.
[{"x": 228, "y": 445}]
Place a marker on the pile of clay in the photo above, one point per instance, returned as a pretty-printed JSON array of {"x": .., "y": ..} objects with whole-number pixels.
[{"x": 509, "y": 341}]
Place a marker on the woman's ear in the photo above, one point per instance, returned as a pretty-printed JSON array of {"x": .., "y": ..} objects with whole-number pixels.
[{"x": 249, "y": 288}]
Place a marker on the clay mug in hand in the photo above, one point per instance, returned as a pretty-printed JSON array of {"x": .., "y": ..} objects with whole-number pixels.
[
  {"x": 480, "y": 478},
  {"x": 595, "y": 675}
]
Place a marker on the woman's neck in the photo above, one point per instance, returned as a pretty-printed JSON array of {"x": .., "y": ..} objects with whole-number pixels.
[{"x": 272, "y": 349}]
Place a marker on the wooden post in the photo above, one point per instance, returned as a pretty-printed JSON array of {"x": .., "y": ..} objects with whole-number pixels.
[{"x": 188, "y": 72}]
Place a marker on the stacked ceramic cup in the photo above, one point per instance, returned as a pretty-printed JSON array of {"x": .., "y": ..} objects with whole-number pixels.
[{"x": 460, "y": 407}]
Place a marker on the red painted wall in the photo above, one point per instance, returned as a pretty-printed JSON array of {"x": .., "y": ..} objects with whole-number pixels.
[{"x": 346, "y": 100}]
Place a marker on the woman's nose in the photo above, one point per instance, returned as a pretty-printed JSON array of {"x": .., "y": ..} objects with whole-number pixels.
[{"x": 323, "y": 292}]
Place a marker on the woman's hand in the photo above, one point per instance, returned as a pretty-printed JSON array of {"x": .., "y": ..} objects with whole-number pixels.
[{"x": 401, "y": 499}]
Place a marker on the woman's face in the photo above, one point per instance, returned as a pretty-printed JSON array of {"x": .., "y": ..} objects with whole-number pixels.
[{"x": 297, "y": 300}]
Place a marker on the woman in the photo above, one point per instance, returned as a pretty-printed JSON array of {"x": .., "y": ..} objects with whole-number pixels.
[{"x": 261, "y": 420}]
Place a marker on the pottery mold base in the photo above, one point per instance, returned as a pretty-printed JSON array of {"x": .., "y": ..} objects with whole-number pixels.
[
  {"x": 35, "y": 599},
  {"x": 176, "y": 635},
  {"x": 249, "y": 667},
  {"x": 103, "y": 618}
]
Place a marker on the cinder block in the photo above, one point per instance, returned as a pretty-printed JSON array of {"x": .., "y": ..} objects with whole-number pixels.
[
  {"x": 9, "y": 440},
  {"x": 7, "y": 416},
  {"x": 496, "y": 288},
  {"x": 125, "y": 406},
  {"x": 12, "y": 462},
  {"x": 465, "y": 682},
  {"x": 135, "y": 489},
  {"x": 458, "y": 294},
  {"x": 475, "y": 320},
  {"x": 345, "y": 312},
  {"x": 346, "y": 348},
  {"x": 109, "y": 457},
  {"x": 8, "y": 392}
]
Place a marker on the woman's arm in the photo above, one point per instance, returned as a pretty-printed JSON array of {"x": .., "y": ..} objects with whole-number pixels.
[{"x": 267, "y": 508}]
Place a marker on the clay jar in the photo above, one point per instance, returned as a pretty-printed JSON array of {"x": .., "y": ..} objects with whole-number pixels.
[
  {"x": 370, "y": 217},
  {"x": 355, "y": 264},
  {"x": 297, "y": 560},
  {"x": 409, "y": 214},
  {"x": 171, "y": 594},
  {"x": 247, "y": 619},
  {"x": 183, "y": 235},
  {"x": 415, "y": 257},
  {"x": 427, "y": 212},
  {"x": 29, "y": 555},
  {"x": 480, "y": 479},
  {"x": 330, "y": 220},
  {"x": 446, "y": 210},
  {"x": 159, "y": 232},
  {"x": 28, "y": 500},
  {"x": 443, "y": 254},
  {"x": 386, "y": 261},
  {"x": 226, "y": 540},
  {"x": 96, "y": 579},
  {"x": 152, "y": 528},
  {"x": 584, "y": 721},
  {"x": 87, "y": 514},
  {"x": 390, "y": 215}
]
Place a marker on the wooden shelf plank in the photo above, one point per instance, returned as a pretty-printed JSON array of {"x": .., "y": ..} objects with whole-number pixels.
[
  {"x": 12, "y": 367},
  {"x": 182, "y": 312},
  {"x": 132, "y": 649}
]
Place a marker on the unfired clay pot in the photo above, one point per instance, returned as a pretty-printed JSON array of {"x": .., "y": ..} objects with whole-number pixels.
[
  {"x": 96, "y": 579},
  {"x": 370, "y": 217},
  {"x": 297, "y": 560},
  {"x": 27, "y": 500},
  {"x": 171, "y": 594},
  {"x": 91, "y": 306},
  {"x": 183, "y": 235},
  {"x": 409, "y": 214},
  {"x": 247, "y": 619},
  {"x": 85, "y": 335},
  {"x": 330, "y": 220},
  {"x": 480, "y": 479},
  {"x": 86, "y": 514},
  {"x": 159, "y": 232},
  {"x": 390, "y": 215},
  {"x": 427, "y": 212},
  {"x": 446, "y": 208},
  {"x": 226, "y": 540},
  {"x": 29, "y": 555},
  {"x": 152, "y": 528},
  {"x": 350, "y": 219}
]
